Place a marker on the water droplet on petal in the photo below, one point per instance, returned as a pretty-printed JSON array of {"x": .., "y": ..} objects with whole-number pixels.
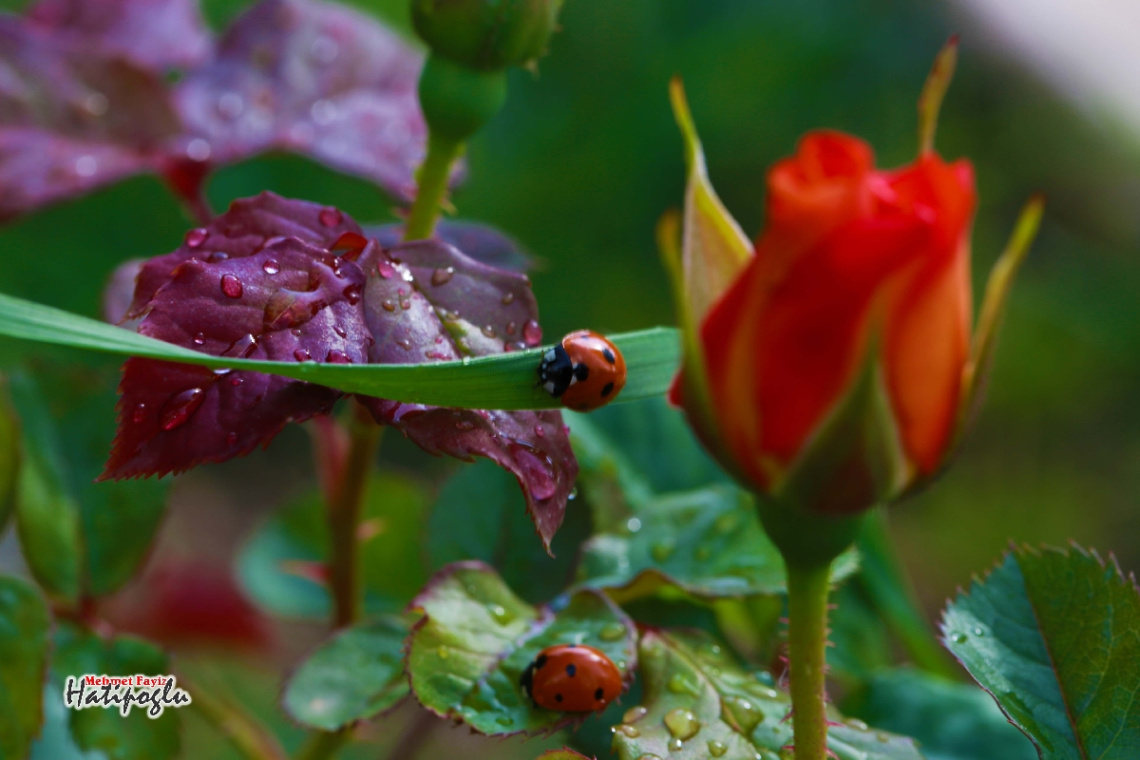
[
  {"x": 442, "y": 275},
  {"x": 139, "y": 413},
  {"x": 180, "y": 408},
  {"x": 217, "y": 256},
  {"x": 405, "y": 344},
  {"x": 340, "y": 331},
  {"x": 489, "y": 331},
  {"x": 302, "y": 355},
  {"x": 979, "y": 631},
  {"x": 532, "y": 333},
  {"x": 271, "y": 266},
  {"x": 352, "y": 293},
  {"x": 614, "y": 632},
  {"x": 746, "y": 715},
  {"x": 199, "y": 339},
  {"x": 236, "y": 380},
  {"x": 539, "y": 432},
  {"x": 508, "y": 298},
  {"x": 682, "y": 723},
  {"x": 502, "y": 617},
  {"x": 231, "y": 286},
  {"x": 337, "y": 357},
  {"x": 385, "y": 270},
  {"x": 330, "y": 217},
  {"x": 405, "y": 304},
  {"x": 960, "y": 638},
  {"x": 196, "y": 237},
  {"x": 625, "y": 730},
  {"x": 716, "y": 748},
  {"x": 676, "y": 745}
]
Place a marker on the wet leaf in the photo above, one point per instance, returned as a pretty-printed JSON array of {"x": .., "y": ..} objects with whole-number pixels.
[
  {"x": 1053, "y": 636},
  {"x": 72, "y": 120},
  {"x": 135, "y": 737},
  {"x": 9, "y": 455},
  {"x": 312, "y": 78},
  {"x": 24, "y": 627},
  {"x": 465, "y": 657},
  {"x": 481, "y": 242},
  {"x": 355, "y": 675},
  {"x": 700, "y": 703},
  {"x": 282, "y": 565},
  {"x": 561, "y": 754},
  {"x": 950, "y": 720},
  {"x": 155, "y": 34},
  {"x": 707, "y": 542}
]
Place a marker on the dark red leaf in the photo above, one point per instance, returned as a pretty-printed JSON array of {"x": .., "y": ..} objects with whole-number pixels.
[
  {"x": 287, "y": 302},
  {"x": 426, "y": 301},
  {"x": 311, "y": 78},
  {"x": 72, "y": 120},
  {"x": 155, "y": 34}
]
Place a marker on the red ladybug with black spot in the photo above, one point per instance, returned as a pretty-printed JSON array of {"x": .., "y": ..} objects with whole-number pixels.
[
  {"x": 585, "y": 370},
  {"x": 571, "y": 678}
]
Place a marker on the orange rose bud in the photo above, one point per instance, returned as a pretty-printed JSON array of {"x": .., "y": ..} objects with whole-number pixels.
[{"x": 833, "y": 369}]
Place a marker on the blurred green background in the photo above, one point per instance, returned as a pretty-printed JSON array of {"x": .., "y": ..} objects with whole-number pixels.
[{"x": 585, "y": 157}]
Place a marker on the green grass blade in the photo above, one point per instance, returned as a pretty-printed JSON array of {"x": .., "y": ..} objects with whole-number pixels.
[{"x": 504, "y": 381}]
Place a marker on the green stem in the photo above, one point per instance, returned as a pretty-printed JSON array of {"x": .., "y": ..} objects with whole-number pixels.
[
  {"x": 250, "y": 738},
  {"x": 323, "y": 745},
  {"x": 432, "y": 177},
  {"x": 344, "y": 517},
  {"x": 807, "y": 637}
]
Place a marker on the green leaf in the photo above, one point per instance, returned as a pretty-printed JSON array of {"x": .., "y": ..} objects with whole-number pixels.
[
  {"x": 78, "y": 535},
  {"x": 1053, "y": 636},
  {"x": 9, "y": 455},
  {"x": 466, "y": 656},
  {"x": 481, "y": 514},
  {"x": 355, "y": 675},
  {"x": 297, "y": 536},
  {"x": 699, "y": 703},
  {"x": 503, "y": 381},
  {"x": 135, "y": 737},
  {"x": 24, "y": 625},
  {"x": 951, "y": 721},
  {"x": 708, "y": 543}
]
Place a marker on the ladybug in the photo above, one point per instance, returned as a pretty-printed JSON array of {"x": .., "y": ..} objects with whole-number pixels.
[
  {"x": 571, "y": 678},
  {"x": 585, "y": 370}
]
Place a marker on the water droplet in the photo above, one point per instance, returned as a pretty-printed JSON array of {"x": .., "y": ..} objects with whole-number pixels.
[
  {"x": 502, "y": 617},
  {"x": 634, "y": 714},
  {"x": 508, "y": 298},
  {"x": 330, "y": 217},
  {"x": 961, "y": 638},
  {"x": 625, "y": 730},
  {"x": 271, "y": 266},
  {"x": 442, "y": 276},
  {"x": 613, "y": 632},
  {"x": 675, "y": 745},
  {"x": 217, "y": 256},
  {"x": 443, "y": 652},
  {"x": 199, "y": 339},
  {"x": 746, "y": 715},
  {"x": 340, "y": 331},
  {"x": 139, "y": 413},
  {"x": 678, "y": 684},
  {"x": 231, "y": 286},
  {"x": 231, "y": 438},
  {"x": 385, "y": 270},
  {"x": 856, "y": 724},
  {"x": 196, "y": 237},
  {"x": 633, "y": 525},
  {"x": 85, "y": 166},
  {"x": 236, "y": 380},
  {"x": 717, "y": 749},
  {"x": 388, "y": 305},
  {"x": 405, "y": 344},
  {"x": 761, "y": 690},
  {"x": 352, "y": 293},
  {"x": 405, "y": 304},
  {"x": 463, "y": 426},
  {"x": 489, "y": 331},
  {"x": 532, "y": 333},
  {"x": 539, "y": 432},
  {"x": 536, "y": 468},
  {"x": 504, "y": 720},
  {"x": 649, "y": 757},
  {"x": 764, "y": 677},
  {"x": 512, "y": 328},
  {"x": 180, "y": 408},
  {"x": 682, "y": 723},
  {"x": 979, "y": 631},
  {"x": 337, "y": 357},
  {"x": 302, "y": 355},
  {"x": 662, "y": 551}
]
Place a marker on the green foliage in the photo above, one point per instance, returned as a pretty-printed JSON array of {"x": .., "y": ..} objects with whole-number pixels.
[
  {"x": 561, "y": 754},
  {"x": 9, "y": 455},
  {"x": 481, "y": 514},
  {"x": 700, "y": 703},
  {"x": 24, "y": 626},
  {"x": 78, "y": 536},
  {"x": 355, "y": 675},
  {"x": 1052, "y": 635},
  {"x": 272, "y": 566},
  {"x": 136, "y": 737},
  {"x": 466, "y": 656},
  {"x": 950, "y": 721},
  {"x": 501, "y": 381}
]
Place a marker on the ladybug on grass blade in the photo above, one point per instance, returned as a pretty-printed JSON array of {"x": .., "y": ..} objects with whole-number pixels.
[
  {"x": 571, "y": 678},
  {"x": 585, "y": 370}
]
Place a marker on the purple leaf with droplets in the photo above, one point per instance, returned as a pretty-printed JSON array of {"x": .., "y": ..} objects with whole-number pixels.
[
  {"x": 478, "y": 241},
  {"x": 72, "y": 120},
  {"x": 312, "y": 78},
  {"x": 427, "y": 301},
  {"x": 261, "y": 282},
  {"x": 156, "y": 34}
]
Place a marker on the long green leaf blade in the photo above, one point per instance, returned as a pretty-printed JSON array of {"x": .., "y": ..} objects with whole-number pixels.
[{"x": 505, "y": 381}]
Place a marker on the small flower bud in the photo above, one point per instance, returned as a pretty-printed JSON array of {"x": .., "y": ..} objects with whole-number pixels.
[{"x": 486, "y": 34}]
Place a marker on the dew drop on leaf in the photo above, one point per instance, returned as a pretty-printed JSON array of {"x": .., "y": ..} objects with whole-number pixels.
[
  {"x": 634, "y": 714},
  {"x": 532, "y": 333},
  {"x": 625, "y": 730},
  {"x": 442, "y": 275},
  {"x": 678, "y": 684},
  {"x": 746, "y": 714},
  {"x": 180, "y": 408},
  {"x": 302, "y": 355},
  {"x": 856, "y": 724},
  {"x": 231, "y": 286},
  {"x": 139, "y": 413},
  {"x": 489, "y": 331},
  {"x": 388, "y": 305},
  {"x": 352, "y": 293},
  {"x": 613, "y": 632},
  {"x": 199, "y": 339},
  {"x": 236, "y": 380},
  {"x": 682, "y": 723},
  {"x": 717, "y": 749},
  {"x": 330, "y": 217},
  {"x": 195, "y": 237},
  {"x": 508, "y": 298},
  {"x": 675, "y": 745}
]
